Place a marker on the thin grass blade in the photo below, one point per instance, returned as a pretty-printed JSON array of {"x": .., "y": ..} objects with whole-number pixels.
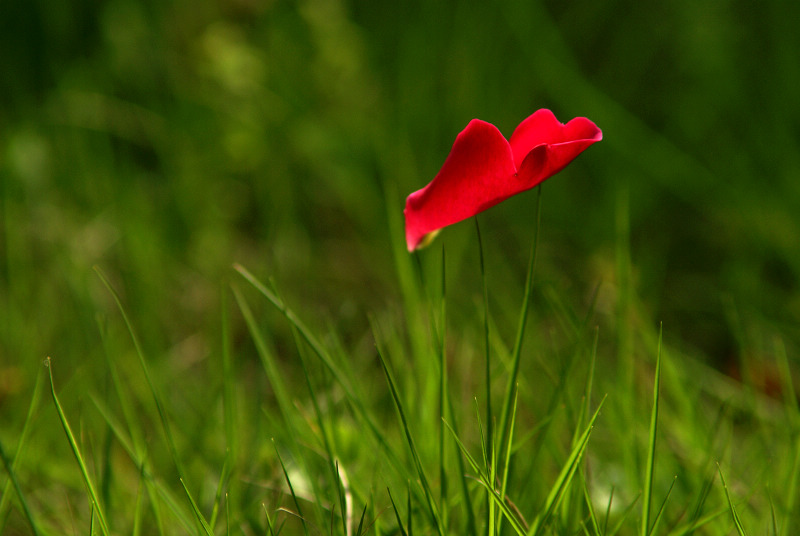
[
  {"x": 564, "y": 478},
  {"x": 660, "y": 512},
  {"x": 512, "y": 383},
  {"x": 291, "y": 489},
  {"x": 773, "y": 517},
  {"x": 12, "y": 481},
  {"x": 444, "y": 395},
  {"x": 432, "y": 510},
  {"x": 736, "y": 521},
  {"x": 267, "y": 361},
  {"x": 489, "y": 451},
  {"x": 793, "y": 414},
  {"x": 162, "y": 414},
  {"x": 508, "y": 443},
  {"x": 228, "y": 380},
  {"x": 197, "y": 513},
  {"x": 11, "y": 467},
  {"x": 154, "y": 488},
  {"x": 590, "y": 506},
  {"x": 465, "y": 496},
  {"x": 77, "y": 453},
  {"x": 137, "y": 510},
  {"x": 327, "y": 360},
  {"x": 624, "y": 516},
  {"x": 218, "y": 496},
  {"x": 483, "y": 479},
  {"x": 361, "y": 521},
  {"x": 270, "y": 527},
  {"x": 647, "y": 495},
  {"x": 397, "y": 514}
]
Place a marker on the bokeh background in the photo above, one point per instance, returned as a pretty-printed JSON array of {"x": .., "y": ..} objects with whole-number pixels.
[{"x": 164, "y": 141}]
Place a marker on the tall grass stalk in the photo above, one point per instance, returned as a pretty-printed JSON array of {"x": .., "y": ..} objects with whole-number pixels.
[
  {"x": 87, "y": 480},
  {"x": 651, "y": 445}
]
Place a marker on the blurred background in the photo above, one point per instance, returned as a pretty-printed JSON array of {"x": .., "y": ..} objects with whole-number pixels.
[{"x": 164, "y": 141}]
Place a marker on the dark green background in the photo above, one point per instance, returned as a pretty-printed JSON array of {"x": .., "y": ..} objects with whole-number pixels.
[{"x": 163, "y": 141}]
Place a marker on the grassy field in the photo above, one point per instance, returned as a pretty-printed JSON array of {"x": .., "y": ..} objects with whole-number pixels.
[{"x": 209, "y": 322}]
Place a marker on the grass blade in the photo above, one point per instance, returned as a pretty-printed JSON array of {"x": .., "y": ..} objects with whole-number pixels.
[
  {"x": 663, "y": 506},
  {"x": 327, "y": 360},
  {"x": 77, "y": 453},
  {"x": 623, "y": 517},
  {"x": 397, "y": 514},
  {"x": 197, "y": 513},
  {"x": 773, "y": 517},
  {"x": 512, "y": 384},
  {"x": 12, "y": 477},
  {"x": 695, "y": 524},
  {"x": 411, "y": 445},
  {"x": 736, "y": 521},
  {"x": 488, "y": 360},
  {"x": 361, "y": 521},
  {"x": 508, "y": 444},
  {"x": 345, "y": 500},
  {"x": 285, "y": 407},
  {"x": 564, "y": 478},
  {"x": 11, "y": 467},
  {"x": 270, "y": 528},
  {"x": 228, "y": 380},
  {"x": 162, "y": 414},
  {"x": 291, "y": 489},
  {"x": 137, "y": 510},
  {"x": 267, "y": 362},
  {"x": 467, "y": 501},
  {"x": 483, "y": 480},
  {"x": 574, "y": 503},
  {"x": 304, "y": 331},
  {"x": 590, "y": 506},
  {"x": 608, "y": 511},
  {"x": 326, "y": 444},
  {"x": 651, "y": 447},
  {"x": 218, "y": 496},
  {"x": 490, "y": 528},
  {"x": 444, "y": 396},
  {"x": 793, "y": 416},
  {"x": 408, "y": 509},
  {"x": 154, "y": 488}
]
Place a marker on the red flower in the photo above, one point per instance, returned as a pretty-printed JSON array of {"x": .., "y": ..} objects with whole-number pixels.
[{"x": 484, "y": 169}]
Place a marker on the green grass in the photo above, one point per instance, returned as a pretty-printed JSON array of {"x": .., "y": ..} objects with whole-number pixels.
[
  {"x": 284, "y": 472},
  {"x": 201, "y": 226}
]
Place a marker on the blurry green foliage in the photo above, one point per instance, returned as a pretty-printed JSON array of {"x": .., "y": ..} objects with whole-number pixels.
[{"x": 165, "y": 141}]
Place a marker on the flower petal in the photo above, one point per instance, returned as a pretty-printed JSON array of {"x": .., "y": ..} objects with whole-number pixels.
[
  {"x": 476, "y": 175},
  {"x": 483, "y": 169},
  {"x": 545, "y": 160},
  {"x": 538, "y": 128},
  {"x": 543, "y": 127}
]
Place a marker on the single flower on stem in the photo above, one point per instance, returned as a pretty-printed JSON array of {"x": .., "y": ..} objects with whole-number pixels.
[{"x": 483, "y": 169}]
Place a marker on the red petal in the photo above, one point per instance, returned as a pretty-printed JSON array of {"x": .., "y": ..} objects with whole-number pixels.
[
  {"x": 483, "y": 169},
  {"x": 470, "y": 181},
  {"x": 543, "y": 128},
  {"x": 538, "y": 128}
]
